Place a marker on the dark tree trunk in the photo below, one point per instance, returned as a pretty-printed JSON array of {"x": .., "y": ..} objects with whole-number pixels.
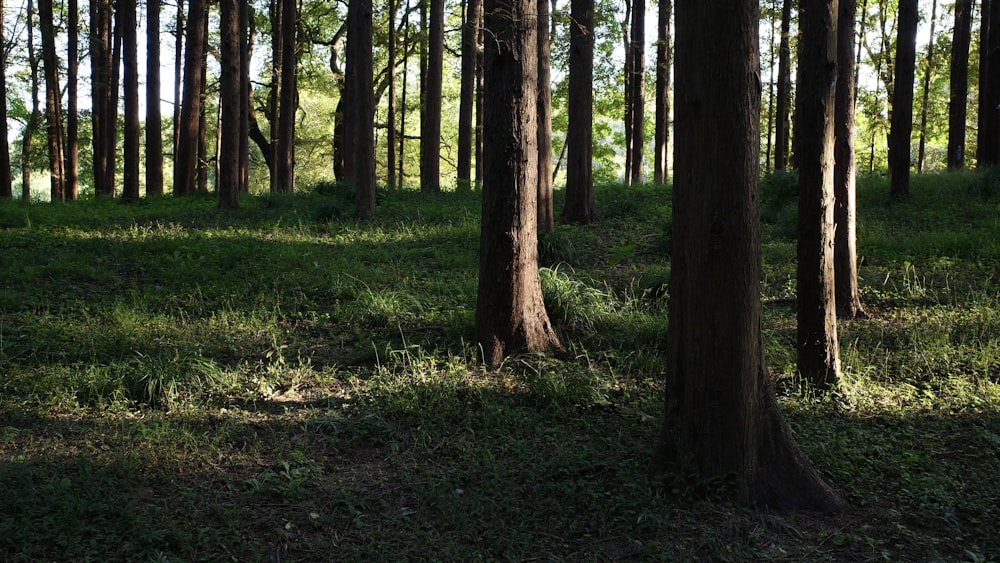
[
  {"x": 178, "y": 74},
  {"x": 359, "y": 108},
  {"x": 818, "y": 352},
  {"x": 72, "y": 150},
  {"x": 466, "y": 112},
  {"x": 510, "y": 314},
  {"x": 390, "y": 118},
  {"x": 101, "y": 41},
  {"x": 430, "y": 122},
  {"x": 988, "y": 152},
  {"x": 784, "y": 104},
  {"x": 635, "y": 94},
  {"x": 231, "y": 100},
  {"x": 959, "y": 84},
  {"x": 848, "y": 296},
  {"x": 480, "y": 111},
  {"x": 6, "y": 188},
  {"x": 186, "y": 157},
  {"x": 546, "y": 212},
  {"x": 901, "y": 123},
  {"x": 579, "y": 206},
  {"x": 401, "y": 176},
  {"x": 53, "y": 111},
  {"x": 928, "y": 71},
  {"x": 202, "y": 173},
  {"x": 246, "y": 99},
  {"x": 127, "y": 20},
  {"x": 32, "y": 125},
  {"x": 721, "y": 415},
  {"x": 287, "y": 102},
  {"x": 661, "y": 137},
  {"x": 154, "y": 119}
]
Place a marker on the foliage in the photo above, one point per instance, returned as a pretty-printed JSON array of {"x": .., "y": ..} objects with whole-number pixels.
[{"x": 280, "y": 381}]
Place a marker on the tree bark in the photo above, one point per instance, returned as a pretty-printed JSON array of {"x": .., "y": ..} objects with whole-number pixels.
[
  {"x": 901, "y": 123},
  {"x": 186, "y": 159},
  {"x": 466, "y": 112},
  {"x": 510, "y": 313},
  {"x": 988, "y": 152},
  {"x": 127, "y": 20},
  {"x": 154, "y": 119},
  {"x": 784, "y": 104},
  {"x": 231, "y": 101},
  {"x": 101, "y": 40},
  {"x": 928, "y": 71},
  {"x": 579, "y": 206},
  {"x": 6, "y": 188},
  {"x": 178, "y": 75},
  {"x": 430, "y": 123},
  {"x": 53, "y": 111},
  {"x": 959, "y": 84},
  {"x": 359, "y": 108},
  {"x": 848, "y": 295},
  {"x": 288, "y": 100},
  {"x": 721, "y": 416},
  {"x": 661, "y": 137},
  {"x": 635, "y": 96},
  {"x": 72, "y": 149},
  {"x": 32, "y": 125},
  {"x": 390, "y": 118},
  {"x": 546, "y": 211}
]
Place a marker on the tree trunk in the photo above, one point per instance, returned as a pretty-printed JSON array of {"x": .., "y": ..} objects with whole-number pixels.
[
  {"x": 848, "y": 296},
  {"x": 635, "y": 96},
  {"x": 959, "y": 84},
  {"x": 72, "y": 149},
  {"x": 178, "y": 75},
  {"x": 466, "y": 112},
  {"x": 721, "y": 415},
  {"x": 784, "y": 104},
  {"x": 390, "y": 118},
  {"x": 546, "y": 212},
  {"x": 186, "y": 157},
  {"x": 661, "y": 140},
  {"x": 287, "y": 99},
  {"x": 510, "y": 314},
  {"x": 901, "y": 124},
  {"x": 430, "y": 123},
  {"x": 922, "y": 144},
  {"x": 130, "y": 54},
  {"x": 988, "y": 152},
  {"x": 359, "y": 108},
  {"x": 53, "y": 111},
  {"x": 154, "y": 120},
  {"x": 230, "y": 99},
  {"x": 101, "y": 95},
  {"x": 401, "y": 176},
  {"x": 579, "y": 206},
  {"x": 32, "y": 125},
  {"x": 246, "y": 97},
  {"x": 6, "y": 188}
]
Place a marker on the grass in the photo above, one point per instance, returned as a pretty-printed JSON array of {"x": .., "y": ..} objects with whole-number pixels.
[{"x": 283, "y": 383}]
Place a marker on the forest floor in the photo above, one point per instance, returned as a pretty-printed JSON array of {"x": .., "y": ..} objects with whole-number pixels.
[{"x": 284, "y": 383}]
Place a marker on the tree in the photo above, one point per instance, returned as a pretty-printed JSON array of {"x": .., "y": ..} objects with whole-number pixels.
[
  {"x": 53, "y": 112},
  {"x": 819, "y": 356},
  {"x": 287, "y": 99},
  {"x": 988, "y": 149},
  {"x": 430, "y": 116},
  {"x": 721, "y": 415},
  {"x": 466, "y": 117},
  {"x": 186, "y": 158},
  {"x": 781, "y": 130},
  {"x": 901, "y": 125},
  {"x": 359, "y": 108},
  {"x": 72, "y": 149},
  {"x": 6, "y": 189},
  {"x": 32, "y": 125},
  {"x": 510, "y": 314},
  {"x": 104, "y": 96},
  {"x": 390, "y": 118},
  {"x": 546, "y": 212},
  {"x": 661, "y": 137},
  {"x": 635, "y": 129},
  {"x": 154, "y": 121},
  {"x": 231, "y": 101},
  {"x": 928, "y": 71},
  {"x": 127, "y": 22},
  {"x": 579, "y": 206},
  {"x": 847, "y": 293},
  {"x": 959, "y": 80}
]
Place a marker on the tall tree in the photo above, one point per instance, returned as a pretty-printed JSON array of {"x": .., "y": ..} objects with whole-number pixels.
[
  {"x": 430, "y": 116},
  {"x": 6, "y": 188},
  {"x": 230, "y": 100},
  {"x": 287, "y": 99},
  {"x": 847, "y": 293},
  {"x": 819, "y": 356},
  {"x": 988, "y": 150},
  {"x": 901, "y": 123},
  {"x": 359, "y": 108},
  {"x": 32, "y": 125},
  {"x": 635, "y": 102},
  {"x": 53, "y": 109},
  {"x": 467, "y": 102},
  {"x": 546, "y": 211},
  {"x": 510, "y": 314},
  {"x": 127, "y": 21},
  {"x": 579, "y": 205},
  {"x": 246, "y": 94},
  {"x": 926, "y": 90},
  {"x": 721, "y": 415},
  {"x": 784, "y": 104},
  {"x": 72, "y": 150},
  {"x": 959, "y": 84},
  {"x": 102, "y": 96},
  {"x": 186, "y": 157},
  {"x": 390, "y": 117},
  {"x": 154, "y": 121},
  {"x": 178, "y": 72},
  {"x": 661, "y": 137}
]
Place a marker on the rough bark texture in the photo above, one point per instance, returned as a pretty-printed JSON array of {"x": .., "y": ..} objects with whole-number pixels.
[
  {"x": 510, "y": 314},
  {"x": 661, "y": 137},
  {"x": 546, "y": 211},
  {"x": 390, "y": 117},
  {"x": 988, "y": 151},
  {"x": 467, "y": 102},
  {"x": 901, "y": 126},
  {"x": 32, "y": 125},
  {"x": 818, "y": 352},
  {"x": 926, "y": 91},
  {"x": 784, "y": 104},
  {"x": 959, "y": 84},
  {"x": 635, "y": 95},
  {"x": 230, "y": 98},
  {"x": 101, "y": 27},
  {"x": 6, "y": 188},
  {"x": 288, "y": 100},
  {"x": 53, "y": 112},
  {"x": 721, "y": 415},
  {"x": 430, "y": 122},
  {"x": 579, "y": 206},
  {"x": 72, "y": 150},
  {"x": 848, "y": 296},
  {"x": 154, "y": 121},
  {"x": 186, "y": 157},
  {"x": 130, "y": 57},
  {"x": 359, "y": 108}
]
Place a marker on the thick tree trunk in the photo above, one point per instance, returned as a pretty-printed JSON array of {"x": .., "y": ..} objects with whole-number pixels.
[
  {"x": 101, "y": 40},
  {"x": 430, "y": 123},
  {"x": 72, "y": 150},
  {"x": 186, "y": 157},
  {"x": 988, "y": 152},
  {"x": 661, "y": 137},
  {"x": 287, "y": 99},
  {"x": 510, "y": 313},
  {"x": 6, "y": 188},
  {"x": 928, "y": 71},
  {"x": 848, "y": 296},
  {"x": 154, "y": 119},
  {"x": 579, "y": 206},
  {"x": 721, "y": 415},
  {"x": 901, "y": 126},
  {"x": 359, "y": 108},
  {"x": 130, "y": 54},
  {"x": 784, "y": 104},
  {"x": 635, "y": 95},
  {"x": 53, "y": 111},
  {"x": 230, "y": 100},
  {"x": 959, "y": 84},
  {"x": 32, "y": 125},
  {"x": 466, "y": 112},
  {"x": 546, "y": 212}
]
